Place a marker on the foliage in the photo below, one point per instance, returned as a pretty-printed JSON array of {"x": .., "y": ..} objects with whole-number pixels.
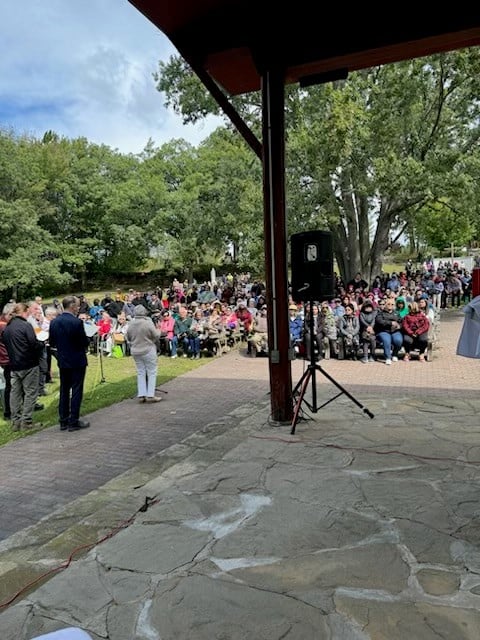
[
  {"x": 391, "y": 152},
  {"x": 439, "y": 226},
  {"x": 365, "y": 155}
]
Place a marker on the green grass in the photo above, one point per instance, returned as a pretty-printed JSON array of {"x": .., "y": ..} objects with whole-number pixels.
[{"x": 120, "y": 383}]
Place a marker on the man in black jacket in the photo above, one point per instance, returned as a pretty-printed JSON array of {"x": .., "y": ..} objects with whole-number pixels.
[
  {"x": 67, "y": 335},
  {"x": 24, "y": 351}
]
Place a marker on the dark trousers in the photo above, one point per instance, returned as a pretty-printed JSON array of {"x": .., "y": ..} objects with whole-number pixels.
[
  {"x": 6, "y": 392},
  {"x": 420, "y": 342},
  {"x": 50, "y": 352},
  {"x": 317, "y": 345},
  {"x": 43, "y": 368},
  {"x": 71, "y": 394}
]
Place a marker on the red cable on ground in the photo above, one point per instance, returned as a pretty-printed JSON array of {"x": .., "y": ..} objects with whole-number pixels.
[{"x": 126, "y": 523}]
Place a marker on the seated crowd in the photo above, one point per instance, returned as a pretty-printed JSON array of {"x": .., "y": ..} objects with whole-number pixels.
[
  {"x": 189, "y": 320},
  {"x": 395, "y": 313}
]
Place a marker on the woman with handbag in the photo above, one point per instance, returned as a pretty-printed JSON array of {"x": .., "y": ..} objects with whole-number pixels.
[{"x": 119, "y": 333}]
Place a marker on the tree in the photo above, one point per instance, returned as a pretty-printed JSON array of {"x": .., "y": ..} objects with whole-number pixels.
[
  {"x": 438, "y": 225},
  {"x": 28, "y": 255},
  {"x": 365, "y": 155}
]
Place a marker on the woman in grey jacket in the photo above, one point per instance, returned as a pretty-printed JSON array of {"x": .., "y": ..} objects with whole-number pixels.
[{"x": 143, "y": 338}]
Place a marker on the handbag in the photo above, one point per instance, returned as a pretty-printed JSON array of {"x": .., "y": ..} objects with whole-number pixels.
[
  {"x": 117, "y": 351},
  {"x": 118, "y": 338}
]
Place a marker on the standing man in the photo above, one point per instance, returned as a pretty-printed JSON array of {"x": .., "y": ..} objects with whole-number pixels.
[
  {"x": 24, "y": 352},
  {"x": 68, "y": 337}
]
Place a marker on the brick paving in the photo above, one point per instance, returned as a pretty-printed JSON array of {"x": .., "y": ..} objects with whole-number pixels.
[{"x": 49, "y": 469}]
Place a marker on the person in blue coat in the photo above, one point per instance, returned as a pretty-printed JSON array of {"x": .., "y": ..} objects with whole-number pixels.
[
  {"x": 68, "y": 337},
  {"x": 295, "y": 327}
]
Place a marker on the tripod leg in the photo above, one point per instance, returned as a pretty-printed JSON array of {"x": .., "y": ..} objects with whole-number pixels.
[
  {"x": 304, "y": 383},
  {"x": 300, "y": 382},
  {"x": 343, "y": 390}
]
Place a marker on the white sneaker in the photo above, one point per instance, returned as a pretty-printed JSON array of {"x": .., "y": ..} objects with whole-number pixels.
[
  {"x": 388, "y": 362},
  {"x": 175, "y": 356},
  {"x": 394, "y": 359}
]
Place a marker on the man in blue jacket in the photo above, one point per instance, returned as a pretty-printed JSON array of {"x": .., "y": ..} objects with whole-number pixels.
[{"x": 67, "y": 335}]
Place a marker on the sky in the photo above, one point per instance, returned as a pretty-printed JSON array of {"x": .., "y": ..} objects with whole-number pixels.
[{"x": 83, "y": 68}]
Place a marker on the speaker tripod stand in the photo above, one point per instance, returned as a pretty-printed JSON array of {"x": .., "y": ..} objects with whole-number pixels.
[{"x": 310, "y": 375}]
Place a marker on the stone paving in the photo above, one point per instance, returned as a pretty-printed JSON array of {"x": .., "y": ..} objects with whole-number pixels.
[{"x": 350, "y": 529}]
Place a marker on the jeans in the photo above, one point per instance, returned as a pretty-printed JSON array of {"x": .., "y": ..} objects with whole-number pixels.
[
  {"x": 391, "y": 343},
  {"x": 194, "y": 346},
  {"x": 147, "y": 365},
  {"x": 174, "y": 343}
]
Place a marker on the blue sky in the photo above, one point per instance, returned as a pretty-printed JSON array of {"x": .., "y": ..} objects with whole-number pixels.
[{"x": 84, "y": 68}]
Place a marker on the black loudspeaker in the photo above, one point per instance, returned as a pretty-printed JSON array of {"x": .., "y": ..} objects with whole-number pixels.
[{"x": 311, "y": 261}]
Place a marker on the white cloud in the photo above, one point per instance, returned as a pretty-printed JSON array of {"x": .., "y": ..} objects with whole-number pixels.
[{"x": 84, "y": 68}]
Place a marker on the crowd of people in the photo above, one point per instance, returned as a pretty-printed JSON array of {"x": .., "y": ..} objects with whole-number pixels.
[{"x": 395, "y": 312}]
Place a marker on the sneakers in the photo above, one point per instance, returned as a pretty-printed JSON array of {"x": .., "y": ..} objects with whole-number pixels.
[
  {"x": 388, "y": 362},
  {"x": 154, "y": 399},
  {"x": 15, "y": 426},
  {"x": 371, "y": 359},
  {"x": 174, "y": 356},
  {"x": 364, "y": 360},
  {"x": 185, "y": 355},
  {"x": 395, "y": 359},
  {"x": 141, "y": 399}
]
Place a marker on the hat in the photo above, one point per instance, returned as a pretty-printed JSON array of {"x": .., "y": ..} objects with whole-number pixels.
[
  {"x": 140, "y": 311},
  {"x": 293, "y": 307},
  {"x": 241, "y": 303}
]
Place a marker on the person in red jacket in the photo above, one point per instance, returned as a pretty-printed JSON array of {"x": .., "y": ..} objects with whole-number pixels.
[
  {"x": 415, "y": 327},
  {"x": 244, "y": 316}
]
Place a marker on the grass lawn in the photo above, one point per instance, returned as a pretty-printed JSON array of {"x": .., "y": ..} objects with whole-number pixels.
[{"x": 120, "y": 383}]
